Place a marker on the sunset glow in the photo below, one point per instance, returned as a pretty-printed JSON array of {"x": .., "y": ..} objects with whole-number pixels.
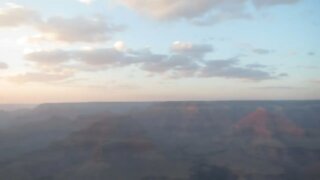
[{"x": 158, "y": 50}]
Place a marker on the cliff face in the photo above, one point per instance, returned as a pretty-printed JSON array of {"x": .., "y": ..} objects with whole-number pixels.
[
  {"x": 181, "y": 140},
  {"x": 264, "y": 124}
]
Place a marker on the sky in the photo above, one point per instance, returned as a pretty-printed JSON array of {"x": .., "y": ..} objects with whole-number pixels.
[{"x": 158, "y": 50}]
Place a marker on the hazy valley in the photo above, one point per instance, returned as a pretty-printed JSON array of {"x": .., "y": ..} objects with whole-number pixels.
[{"x": 162, "y": 141}]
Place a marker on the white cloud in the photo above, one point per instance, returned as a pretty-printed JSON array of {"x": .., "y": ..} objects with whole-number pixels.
[
  {"x": 120, "y": 46},
  {"x": 168, "y": 9},
  {"x": 58, "y": 29},
  {"x": 86, "y": 1},
  {"x": 181, "y": 46},
  {"x": 15, "y": 15},
  {"x": 190, "y": 49},
  {"x": 77, "y": 29},
  {"x": 201, "y": 12},
  {"x": 3, "y": 65}
]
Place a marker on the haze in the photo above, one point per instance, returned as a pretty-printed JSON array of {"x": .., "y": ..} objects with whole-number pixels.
[{"x": 159, "y": 90}]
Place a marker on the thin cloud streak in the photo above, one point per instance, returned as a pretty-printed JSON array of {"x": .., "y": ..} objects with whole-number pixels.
[
  {"x": 201, "y": 12},
  {"x": 42, "y": 77},
  {"x": 185, "y": 60}
]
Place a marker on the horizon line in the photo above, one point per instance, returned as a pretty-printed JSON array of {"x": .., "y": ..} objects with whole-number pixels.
[{"x": 159, "y": 101}]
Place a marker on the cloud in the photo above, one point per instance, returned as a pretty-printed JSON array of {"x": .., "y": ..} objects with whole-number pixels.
[
  {"x": 316, "y": 81},
  {"x": 264, "y": 3},
  {"x": 59, "y": 29},
  {"x": 41, "y": 77},
  {"x": 76, "y": 29},
  {"x": 222, "y": 17},
  {"x": 308, "y": 67},
  {"x": 256, "y": 65},
  {"x": 229, "y": 68},
  {"x": 95, "y": 57},
  {"x": 120, "y": 46},
  {"x": 201, "y": 12},
  {"x": 3, "y": 65},
  {"x": 86, "y": 1},
  {"x": 181, "y": 62},
  {"x": 15, "y": 15},
  {"x": 182, "y": 9},
  {"x": 277, "y": 87},
  {"x": 100, "y": 57},
  {"x": 48, "y": 58},
  {"x": 187, "y": 48},
  {"x": 283, "y": 75},
  {"x": 183, "y": 66},
  {"x": 311, "y": 53},
  {"x": 261, "y": 51}
]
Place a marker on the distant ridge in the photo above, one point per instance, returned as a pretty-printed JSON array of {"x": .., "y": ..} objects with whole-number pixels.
[{"x": 13, "y": 107}]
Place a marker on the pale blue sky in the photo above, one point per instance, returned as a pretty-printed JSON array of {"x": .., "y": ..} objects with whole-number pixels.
[{"x": 268, "y": 51}]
